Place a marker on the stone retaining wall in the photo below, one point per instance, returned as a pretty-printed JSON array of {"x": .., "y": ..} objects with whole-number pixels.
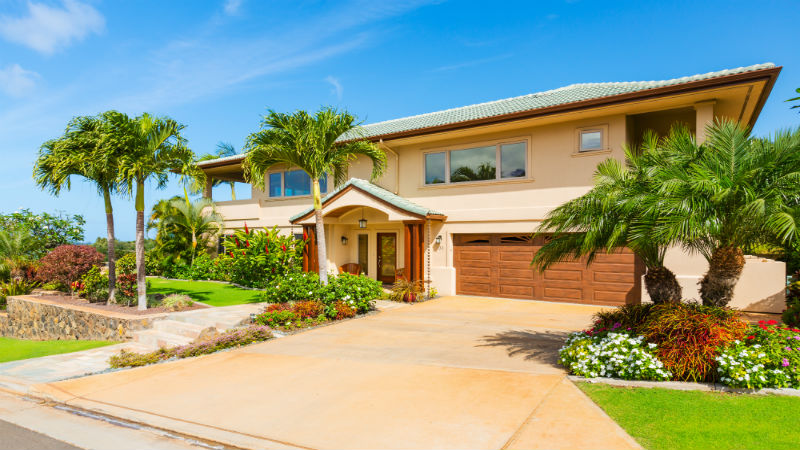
[{"x": 29, "y": 317}]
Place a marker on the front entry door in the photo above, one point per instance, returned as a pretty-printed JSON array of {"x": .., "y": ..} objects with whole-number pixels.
[{"x": 387, "y": 257}]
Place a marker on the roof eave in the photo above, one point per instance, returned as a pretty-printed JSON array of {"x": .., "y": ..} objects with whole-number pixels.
[{"x": 769, "y": 74}]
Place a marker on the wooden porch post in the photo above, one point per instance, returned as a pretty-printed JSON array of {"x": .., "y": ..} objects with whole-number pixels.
[
  {"x": 414, "y": 247},
  {"x": 310, "y": 260}
]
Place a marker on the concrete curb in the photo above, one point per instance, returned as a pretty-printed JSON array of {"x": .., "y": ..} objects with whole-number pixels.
[{"x": 685, "y": 386}]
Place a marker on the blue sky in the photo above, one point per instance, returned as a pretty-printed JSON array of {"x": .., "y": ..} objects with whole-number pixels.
[{"x": 216, "y": 66}]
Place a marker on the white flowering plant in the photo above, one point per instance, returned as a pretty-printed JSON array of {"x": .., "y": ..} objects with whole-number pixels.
[
  {"x": 768, "y": 357},
  {"x": 613, "y": 354}
]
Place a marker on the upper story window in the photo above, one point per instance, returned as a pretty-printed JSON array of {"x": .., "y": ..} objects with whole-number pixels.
[
  {"x": 293, "y": 183},
  {"x": 592, "y": 139},
  {"x": 477, "y": 163}
]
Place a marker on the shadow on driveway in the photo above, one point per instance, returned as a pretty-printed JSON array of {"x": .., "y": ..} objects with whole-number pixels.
[{"x": 541, "y": 346}]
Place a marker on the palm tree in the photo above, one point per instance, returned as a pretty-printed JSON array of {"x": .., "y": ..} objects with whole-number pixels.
[
  {"x": 155, "y": 149},
  {"x": 620, "y": 211},
  {"x": 310, "y": 143},
  {"x": 87, "y": 149},
  {"x": 737, "y": 192},
  {"x": 15, "y": 248},
  {"x": 198, "y": 219},
  {"x": 224, "y": 150}
]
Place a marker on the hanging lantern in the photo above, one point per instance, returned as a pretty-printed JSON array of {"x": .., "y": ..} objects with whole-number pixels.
[{"x": 363, "y": 222}]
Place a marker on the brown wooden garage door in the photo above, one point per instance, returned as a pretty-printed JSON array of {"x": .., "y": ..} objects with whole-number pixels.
[{"x": 498, "y": 265}]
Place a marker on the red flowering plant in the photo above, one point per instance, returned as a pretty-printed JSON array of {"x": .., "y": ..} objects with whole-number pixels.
[
  {"x": 768, "y": 356},
  {"x": 67, "y": 263},
  {"x": 254, "y": 257}
]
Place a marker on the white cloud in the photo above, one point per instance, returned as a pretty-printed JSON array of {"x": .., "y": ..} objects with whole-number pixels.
[
  {"x": 232, "y": 7},
  {"x": 16, "y": 81},
  {"x": 336, "y": 86},
  {"x": 49, "y": 28}
]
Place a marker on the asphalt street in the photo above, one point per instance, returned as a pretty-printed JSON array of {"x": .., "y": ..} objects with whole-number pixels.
[{"x": 13, "y": 437}]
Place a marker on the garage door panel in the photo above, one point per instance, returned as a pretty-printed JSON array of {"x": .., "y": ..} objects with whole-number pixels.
[{"x": 498, "y": 265}]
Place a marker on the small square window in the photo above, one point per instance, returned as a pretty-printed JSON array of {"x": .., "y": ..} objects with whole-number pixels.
[
  {"x": 591, "y": 140},
  {"x": 435, "y": 168}
]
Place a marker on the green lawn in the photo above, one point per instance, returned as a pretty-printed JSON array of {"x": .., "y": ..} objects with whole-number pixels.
[
  {"x": 208, "y": 292},
  {"x": 676, "y": 420},
  {"x": 14, "y": 349}
]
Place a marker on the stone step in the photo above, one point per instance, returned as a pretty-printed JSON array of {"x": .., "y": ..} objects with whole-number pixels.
[
  {"x": 157, "y": 338},
  {"x": 186, "y": 329}
]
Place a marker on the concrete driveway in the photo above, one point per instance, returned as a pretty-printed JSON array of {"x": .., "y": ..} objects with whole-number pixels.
[{"x": 456, "y": 372}]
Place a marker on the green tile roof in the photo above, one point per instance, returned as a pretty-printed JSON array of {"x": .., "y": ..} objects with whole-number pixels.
[
  {"x": 568, "y": 94},
  {"x": 378, "y": 192}
]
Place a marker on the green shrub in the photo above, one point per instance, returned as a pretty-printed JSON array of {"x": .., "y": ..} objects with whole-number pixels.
[
  {"x": 690, "y": 336},
  {"x": 612, "y": 354},
  {"x": 358, "y": 291},
  {"x": 229, "y": 339},
  {"x": 255, "y": 258},
  {"x": 791, "y": 315},
  {"x": 768, "y": 357},
  {"x": 626, "y": 317},
  {"x": 176, "y": 302},
  {"x": 95, "y": 285},
  {"x": 126, "y": 265},
  {"x": 293, "y": 287},
  {"x": 15, "y": 287},
  {"x": 290, "y": 316}
]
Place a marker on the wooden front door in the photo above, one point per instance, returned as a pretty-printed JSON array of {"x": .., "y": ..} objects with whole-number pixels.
[{"x": 387, "y": 257}]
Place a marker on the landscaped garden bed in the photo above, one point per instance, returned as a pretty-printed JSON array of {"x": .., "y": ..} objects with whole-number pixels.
[
  {"x": 155, "y": 304},
  {"x": 685, "y": 342}
]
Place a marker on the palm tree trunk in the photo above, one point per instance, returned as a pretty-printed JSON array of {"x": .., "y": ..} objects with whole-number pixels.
[
  {"x": 141, "y": 281},
  {"x": 662, "y": 285},
  {"x": 724, "y": 270},
  {"x": 233, "y": 190},
  {"x": 322, "y": 254},
  {"x": 112, "y": 257}
]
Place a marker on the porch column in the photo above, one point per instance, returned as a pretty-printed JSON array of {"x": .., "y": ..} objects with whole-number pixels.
[
  {"x": 414, "y": 250},
  {"x": 310, "y": 260},
  {"x": 704, "y": 116}
]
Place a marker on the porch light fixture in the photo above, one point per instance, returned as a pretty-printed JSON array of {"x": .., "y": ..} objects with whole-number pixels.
[
  {"x": 438, "y": 240},
  {"x": 363, "y": 222},
  {"x": 344, "y": 240}
]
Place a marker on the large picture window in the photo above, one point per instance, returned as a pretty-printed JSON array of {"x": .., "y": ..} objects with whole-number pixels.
[
  {"x": 477, "y": 164},
  {"x": 293, "y": 183}
]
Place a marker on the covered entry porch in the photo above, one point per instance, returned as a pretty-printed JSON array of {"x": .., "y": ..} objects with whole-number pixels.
[{"x": 372, "y": 231}]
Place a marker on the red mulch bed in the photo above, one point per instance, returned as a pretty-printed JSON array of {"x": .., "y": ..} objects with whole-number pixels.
[{"x": 122, "y": 309}]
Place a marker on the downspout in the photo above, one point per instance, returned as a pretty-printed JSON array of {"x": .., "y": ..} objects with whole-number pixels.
[
  {"x": 396, "y": 166},
  {"x": 427, "y": 275}
]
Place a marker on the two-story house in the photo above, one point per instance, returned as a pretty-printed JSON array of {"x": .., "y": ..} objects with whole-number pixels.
[{"x": 465, "y": 188}]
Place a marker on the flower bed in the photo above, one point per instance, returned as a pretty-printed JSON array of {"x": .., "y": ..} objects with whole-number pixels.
[
  {"x": 303, "y": 314},
  {"x": 685, "y": 342},
  {"x": 229, "y": 339}
]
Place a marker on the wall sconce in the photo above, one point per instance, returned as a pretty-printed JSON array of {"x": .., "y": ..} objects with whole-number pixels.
[
  {"x": 438, "y": 239},
  {"x": 344, "y": 240}
]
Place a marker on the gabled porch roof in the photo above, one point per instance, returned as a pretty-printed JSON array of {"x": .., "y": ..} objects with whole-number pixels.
[{"x": 386, "y": 199}]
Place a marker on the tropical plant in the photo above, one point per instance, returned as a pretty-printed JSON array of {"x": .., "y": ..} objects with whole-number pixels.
[
  {"x": 16, "y": 247},
  {"x": 324, "y": 143},
  {"x": 795, "y": 99},
  {"x": 68, "y": 263},
  {"x": 198, "y": 220},
  {"x": 91, "y": 150},
  {"x": 406, "y": 291},
  {"x": 256, "y": 258},
  {"x": 47, "y": 231},
  {"x": 154, "y": 149},
  {"x": 736, "y": 192},
  {"x": 224, "y": 149},
  {"x": 620, "y": 211},
  {"x": 15, "y": 287},
  {"x": 94, "y": 285}
]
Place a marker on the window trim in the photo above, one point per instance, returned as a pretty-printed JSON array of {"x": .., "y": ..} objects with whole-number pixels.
[
  {"x": 603, "y": 129},
  {"x": 282, "y": 172},
  {"x": 498, "y": 162}
]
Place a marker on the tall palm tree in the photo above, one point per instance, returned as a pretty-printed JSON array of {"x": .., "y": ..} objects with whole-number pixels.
[
  {"x": 15, "y": 250},
  {"x": 737, "y": 192},
  {"x": 310, "y": 143},
  {"x": 619, "y": 211},
  {"x": 224, "y": 149},
  {"x": 198, "y": 219},
  {"x": 87, "y": 149},
  {"x": 156, "y": 148}
]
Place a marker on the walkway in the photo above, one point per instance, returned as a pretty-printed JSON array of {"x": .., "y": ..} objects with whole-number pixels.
[
  {"x": 457, "y": 372},
  {"x": 176, "y": 329}
]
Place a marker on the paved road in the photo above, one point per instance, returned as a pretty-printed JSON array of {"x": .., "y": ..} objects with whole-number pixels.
[{"x": 18, "y": 438}]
